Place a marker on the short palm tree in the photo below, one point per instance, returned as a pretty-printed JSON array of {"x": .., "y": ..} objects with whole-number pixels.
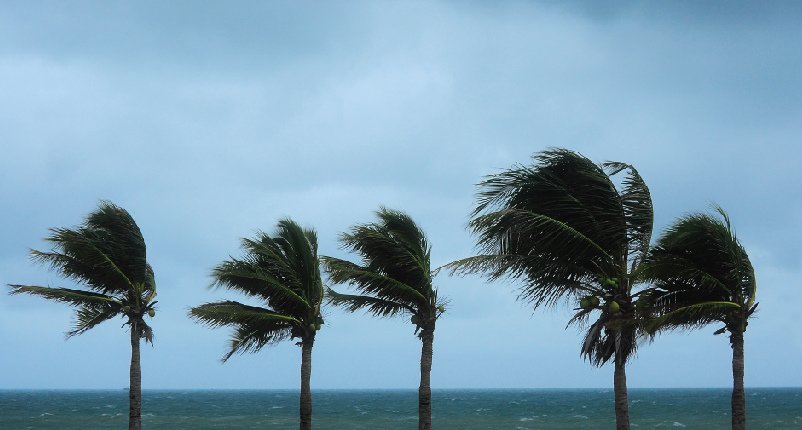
[
  {"x": 570, "y": 232},
  {"x": 283, "y": 271},
  {"x": 107, "y": 255},
  {"x": 394, "y": 278},
  {"x": 702, "y": 275}
]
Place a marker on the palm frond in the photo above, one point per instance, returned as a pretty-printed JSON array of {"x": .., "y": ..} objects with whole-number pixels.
[
  {"x": 121, "y": 239},
  {"x": 609, "y": 337},
  {"x": 145, "y": 331},
  {"x": 107, "y": 252},
  {"x": 395, "y": 274},
  {"x": 252, "y": 338},
  {"x": 93, "y": 308},
  {"x": 88, "y": 317},
  {"x": 80, "y": 259},
  {"x": 301, "y": 252},
  {"x": 701, "y": 274},
  {"x": 218, "y": 314},
  {"x": 254, "y": 327},
  {"x": 638, "y": 210},
  {"x": 376, "y": 306},
  {"x": 253, "y": 279},
  {"x": 561, "y": 185},
  {"x": 544, "y": 240},
  {"x": 368, "y": 281},
  {"x": 692, "y": 316},
  {"x": 72, "y": 297}
]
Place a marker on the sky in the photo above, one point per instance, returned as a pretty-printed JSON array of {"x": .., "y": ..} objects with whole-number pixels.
[{"x": 209, "y": 121}]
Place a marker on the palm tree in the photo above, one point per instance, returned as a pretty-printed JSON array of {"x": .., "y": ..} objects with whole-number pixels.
[
  {"x": 702, "y": 275},
  {"x": 569, "y": 231},
  {"x": 394, "y": 278},
  {"x": 107, "y": 255},
  {"x": 283, "y": 271}
]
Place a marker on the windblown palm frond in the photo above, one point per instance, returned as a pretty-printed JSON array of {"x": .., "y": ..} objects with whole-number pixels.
[
  {"x": 638, "y": 211},
  {"x": 107, "y": 254},
  {"x": 255, "y": 327},
  {"x": 563, "y": 228},
  {"x": 701, "y": 274},
  {"x": 368, "y": 280},
  {"x": 395, "y": 273},
  {"x": 93, "y": 308},
  {"x": 283, "y": 271},
  {"x": 376, "y": 306}
]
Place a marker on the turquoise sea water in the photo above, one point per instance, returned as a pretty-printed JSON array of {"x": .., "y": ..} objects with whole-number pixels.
[{"x": 397, "y": 409}]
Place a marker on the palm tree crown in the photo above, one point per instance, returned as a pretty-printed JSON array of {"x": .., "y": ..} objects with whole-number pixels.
[
  {"x": 563, "y": 227},
  {"x": 107, "y": 255},
  {"x": 702, "y": 274},
  {"x": 395, "y": 275},
  {"x": 283, "y": 271}
]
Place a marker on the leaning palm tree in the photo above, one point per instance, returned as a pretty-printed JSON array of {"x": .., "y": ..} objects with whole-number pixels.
[
  {"x": 394, "y": 278},
  {"x": 107, "y": 255},
  {"x": 283, "y": 271},
  {"x": 702, "y": 275},
  {"x": 566, "y": 229}
]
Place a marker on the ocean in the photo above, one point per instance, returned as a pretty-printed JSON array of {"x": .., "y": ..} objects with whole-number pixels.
[{"x": 770, "y": 408}]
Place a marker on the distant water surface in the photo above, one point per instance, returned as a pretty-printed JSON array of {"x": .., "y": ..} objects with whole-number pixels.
[{"x": 775, "y": 408}]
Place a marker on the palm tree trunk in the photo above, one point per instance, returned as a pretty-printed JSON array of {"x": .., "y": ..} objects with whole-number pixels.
[
  {"x": 425, "y": 389},
  {"x": 135, "y": 383},
  {"x": 738, "y": 396},
  {"x": 306, "y": 376},
  {"x": 620, "y": 389}
]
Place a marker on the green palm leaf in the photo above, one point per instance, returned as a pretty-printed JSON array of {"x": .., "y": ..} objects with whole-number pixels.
[
  {"x": 368, "y": 281},
  {"x": 636, "y": 201},
  {"x": 376, "y": 306},
  {"x": 251, "y": 278},
  {"x": 72, "y": 297}
]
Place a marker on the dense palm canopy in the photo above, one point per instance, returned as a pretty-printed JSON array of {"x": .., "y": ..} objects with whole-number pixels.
[
  {"x": 570, "y": 229},
  {"x": 395, "y": 275},
  {"x": 107, "y": 255},
  {"x": 393, "y": 278},
  {"x": 283, "y": 272},
  {"x": 702, "y": 275}
]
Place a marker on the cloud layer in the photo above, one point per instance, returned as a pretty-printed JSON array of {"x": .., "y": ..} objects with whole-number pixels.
[{"x": 208, "y": 123}]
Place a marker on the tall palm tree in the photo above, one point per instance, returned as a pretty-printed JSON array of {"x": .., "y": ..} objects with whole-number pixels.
[
  {"x": 107, "y": 255},
  {"x": 570, "y": 230},
  {"x": 283, "y": 271},
  {"x": 394, "y": 278},
  {"x": 702, "y": 275}
]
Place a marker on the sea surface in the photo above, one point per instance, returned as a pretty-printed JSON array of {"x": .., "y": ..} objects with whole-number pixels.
[{"x": 774, "y": 408}]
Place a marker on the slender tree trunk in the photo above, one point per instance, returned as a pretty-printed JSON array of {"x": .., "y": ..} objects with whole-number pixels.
[
  {"x": 620, "y": 390},
  {"x": 306, "y": 376},
  {"x": 738, "y": 396},
  {"x": 425, "y": 389},
  {"x": 135, "y": 383}
]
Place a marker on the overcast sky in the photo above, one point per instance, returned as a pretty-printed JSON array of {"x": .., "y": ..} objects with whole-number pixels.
[{"x": 208, "y": 121}]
